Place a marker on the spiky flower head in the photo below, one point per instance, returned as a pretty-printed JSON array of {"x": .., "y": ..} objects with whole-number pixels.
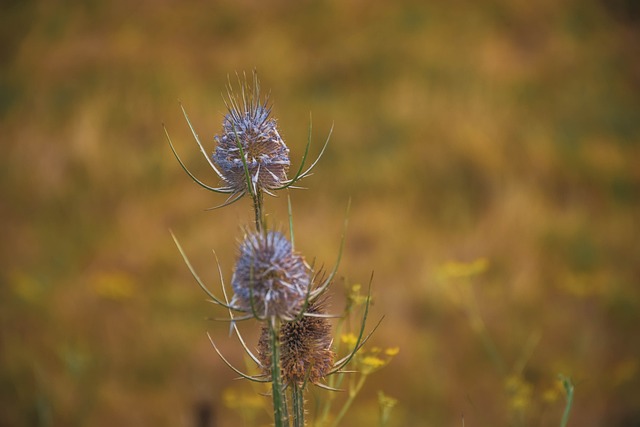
[
  {"x": 270, "y": 279},
  {"x": 305, "y": 348},
  {"x": 248, "y": 125}
]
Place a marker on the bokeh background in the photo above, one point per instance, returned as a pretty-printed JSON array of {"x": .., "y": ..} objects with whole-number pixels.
[{"x": 491, "y": 151}]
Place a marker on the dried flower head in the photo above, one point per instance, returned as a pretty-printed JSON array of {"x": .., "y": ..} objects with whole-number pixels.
[
  {"x": 270, "y": 279},
  {"x": 250, "y": 137},
  {"x": 305, "y": 348},
  {"x": 250, "y": 156}
]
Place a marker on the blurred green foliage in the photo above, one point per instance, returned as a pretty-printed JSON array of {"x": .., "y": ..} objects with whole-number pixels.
[{"x": 505, "y": 131}]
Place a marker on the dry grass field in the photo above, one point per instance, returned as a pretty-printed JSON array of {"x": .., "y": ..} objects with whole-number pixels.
[{"x": 490, "y": 149}]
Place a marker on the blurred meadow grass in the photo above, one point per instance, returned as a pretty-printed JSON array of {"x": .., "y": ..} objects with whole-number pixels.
[{"x": 491, "y": 149}]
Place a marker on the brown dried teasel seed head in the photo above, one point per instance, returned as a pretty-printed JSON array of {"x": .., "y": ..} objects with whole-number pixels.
[{"x": 305, "y": 348}]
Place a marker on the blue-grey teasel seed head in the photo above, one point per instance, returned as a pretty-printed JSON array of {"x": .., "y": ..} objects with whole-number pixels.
[
  {"x": 249, "y": 124},
  {"x": 270, "y": 279}
]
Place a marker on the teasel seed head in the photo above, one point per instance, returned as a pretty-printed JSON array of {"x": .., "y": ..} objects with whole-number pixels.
[
  {"x": 270, "y": 279},
  {"x": 264, "y": 153},
  {"x": 305, "y": 348}
]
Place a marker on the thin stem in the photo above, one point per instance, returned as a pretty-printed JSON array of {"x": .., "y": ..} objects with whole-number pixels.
[
  {"x": 568, "y": 387},
  {"x": 352, "y": 395},
  {"x": 290, "y": 210},
  {"x": 336, "y": 380},
  {"x": 297, "y": 396},
  {"x": 254, "y": 190},
  {"x": 478, "y": 325},
  {"x": 276, "y": 380}
]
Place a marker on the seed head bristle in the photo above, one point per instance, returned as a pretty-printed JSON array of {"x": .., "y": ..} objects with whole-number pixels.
[
  {"x": 270, "y": 279},
  {"x": 248, "y": 124},
  {"x": 305, "y": 348}
]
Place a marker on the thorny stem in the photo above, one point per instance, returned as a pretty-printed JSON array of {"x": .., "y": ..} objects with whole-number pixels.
[
  {"x": 297, "y": 396},
  {"x": 279, "y": 416},
  {"x": 257, "y": 207}
]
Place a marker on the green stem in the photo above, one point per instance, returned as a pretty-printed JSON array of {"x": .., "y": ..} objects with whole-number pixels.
[
  {"x": 276, "y": 380},
  {"x": 332, "y": 381},
  {"x": 568, "y": 387},
  {"x": 297, "y": 396},
  {"x": 478, "y": 326},
  {"x": 352, "y": 395},
  {"x": 335, "y": 381},
  {"x": 257, "y": 208}
]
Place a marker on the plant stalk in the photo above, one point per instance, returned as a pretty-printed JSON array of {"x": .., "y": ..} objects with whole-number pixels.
[
  {"x": 568, "y": 387},
  {"x": 257, "y": 208},
  {"x": 279, "y": 414},
  {"x": 352, "y": 395},
  {"x": 297, "y": 396}
]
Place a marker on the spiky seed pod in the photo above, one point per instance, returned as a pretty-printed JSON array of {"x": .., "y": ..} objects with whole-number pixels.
[
  {"x": 270, "y": 279},
  {"x": 305, "y": 348},
  {"x": 265, "y": 153}
]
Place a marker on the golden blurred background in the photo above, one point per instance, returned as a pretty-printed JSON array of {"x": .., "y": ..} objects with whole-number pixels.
[{"x": 491, "y": 151}]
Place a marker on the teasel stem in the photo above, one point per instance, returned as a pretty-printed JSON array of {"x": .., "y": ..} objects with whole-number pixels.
[
  {"x": 297, "y": 396},
  {"x": 279, "y": 400},
  {"x": 254, "y": 190},
  {"x": 258, "y": 198}
]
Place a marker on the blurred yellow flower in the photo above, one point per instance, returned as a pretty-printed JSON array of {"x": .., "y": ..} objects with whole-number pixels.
[
  {"x": 455, "y": 269},
  {"x": 349, "y": 339},
  {"x": 386, "y": 404},
  {"x": 373, "y": 362},
  {"x": 552, "y": 394},
  {"x": 386, "y": 401},
  {"x": 234, "y": 399},
  {"x": 392, "y": 351},
  {"x": 113, "y": 286},
  {"x": 519, "y": 391},
  {"x": 354, "y": 295}
]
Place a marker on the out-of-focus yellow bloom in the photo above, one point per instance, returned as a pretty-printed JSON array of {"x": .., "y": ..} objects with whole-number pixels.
[
  {"x": 519, "y": 392},
  {"x": 349, "y": 339},
  {"x": 552, "y": 394},
  {"x": 355, "y": 296},
  {"x": 371, "y": 363},
  {"x": 235, "y": 399},
  {"x": 457, "y": 270},
  {"x": 386, "y": 401},
  {"x": 392, "y": 351},
  {"x": 386, "y": 405},
  {"x": 113, "y": 286}
]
